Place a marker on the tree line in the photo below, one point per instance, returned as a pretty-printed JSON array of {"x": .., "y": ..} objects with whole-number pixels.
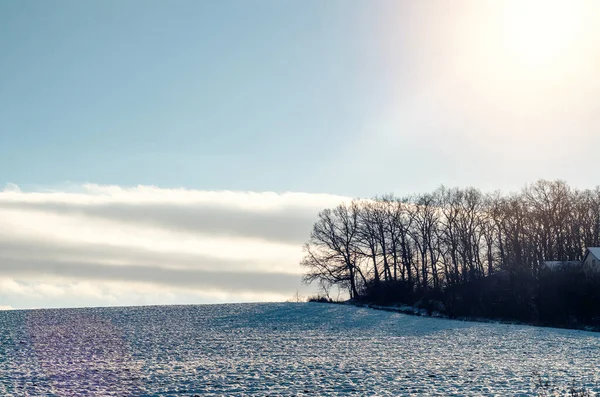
[{"x": 434, "y": 244}]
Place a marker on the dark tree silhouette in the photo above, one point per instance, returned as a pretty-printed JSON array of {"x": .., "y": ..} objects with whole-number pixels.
[{"x": 474, "y": 252}]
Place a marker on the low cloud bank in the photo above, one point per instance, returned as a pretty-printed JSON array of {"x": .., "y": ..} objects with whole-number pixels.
[{"x": 220, "y": 244}]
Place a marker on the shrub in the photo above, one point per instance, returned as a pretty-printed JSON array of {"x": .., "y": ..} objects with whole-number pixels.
[{"x": 320, "y": 299}]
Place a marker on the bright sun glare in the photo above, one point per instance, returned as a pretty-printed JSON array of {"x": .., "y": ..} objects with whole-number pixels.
[{"x": 542, "y": 33}]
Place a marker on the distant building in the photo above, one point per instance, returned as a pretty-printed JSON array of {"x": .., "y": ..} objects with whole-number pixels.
[
  {"x": 561, "y": 265},
  {"x": 591, "y": 260}
]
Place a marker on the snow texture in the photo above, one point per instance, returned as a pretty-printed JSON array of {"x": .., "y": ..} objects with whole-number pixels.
[{"x": 285, "y": 349}]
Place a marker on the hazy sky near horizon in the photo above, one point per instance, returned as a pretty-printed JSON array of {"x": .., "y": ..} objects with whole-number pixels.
[{"x": 101, "y": 99}]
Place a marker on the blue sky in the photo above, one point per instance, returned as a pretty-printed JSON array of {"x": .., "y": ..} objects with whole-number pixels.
[
  {"x": 329, "y": 99},
  {"x": 269, "y": 95},
  {"x": 211, "y": 95}
]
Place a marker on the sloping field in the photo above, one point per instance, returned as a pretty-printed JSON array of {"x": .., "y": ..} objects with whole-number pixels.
[{"x": 283, "y": 349}]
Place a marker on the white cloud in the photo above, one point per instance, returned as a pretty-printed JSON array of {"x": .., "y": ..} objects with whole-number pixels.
[
  {"x": 11, "y": 187},
  {"x": 112, "y": 245}
]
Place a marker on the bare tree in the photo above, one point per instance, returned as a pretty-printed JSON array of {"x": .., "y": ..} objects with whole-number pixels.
[
  {"x": 450, "y": 237},
  {"x": 331, "y": 252}
]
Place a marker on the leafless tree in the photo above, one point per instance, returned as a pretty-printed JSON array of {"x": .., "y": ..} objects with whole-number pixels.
[{"x": 450, "y": 236}]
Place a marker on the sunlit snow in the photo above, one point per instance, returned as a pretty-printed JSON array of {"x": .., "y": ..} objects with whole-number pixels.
[{"x": 282, "y": 350}]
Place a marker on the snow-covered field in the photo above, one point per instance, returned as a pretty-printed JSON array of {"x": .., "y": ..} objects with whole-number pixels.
[{"x": 286, "y": 349}]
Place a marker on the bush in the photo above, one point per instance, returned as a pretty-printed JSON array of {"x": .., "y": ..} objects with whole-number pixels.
[
  {"x": 569, "y": 297},
  {"x": 566, "y": 297},
  {"x": 320, "y": 299},
  {"x": 387, "y": 293}
]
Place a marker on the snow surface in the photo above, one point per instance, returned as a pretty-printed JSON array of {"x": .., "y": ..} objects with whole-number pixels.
[{"x": 285, "y": 349}]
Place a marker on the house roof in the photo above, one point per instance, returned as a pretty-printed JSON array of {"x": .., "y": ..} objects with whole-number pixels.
[
  {"x": 594, "y": 251},
  {"x": 558, "y": 264}
]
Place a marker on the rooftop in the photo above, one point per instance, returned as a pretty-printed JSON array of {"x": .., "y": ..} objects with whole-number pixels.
[
  {"x": 557, "y": 264},
  {"x": 595, "y": 251}
]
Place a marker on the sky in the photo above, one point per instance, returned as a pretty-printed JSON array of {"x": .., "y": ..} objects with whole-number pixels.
[{"x": 178, "y": 152}]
